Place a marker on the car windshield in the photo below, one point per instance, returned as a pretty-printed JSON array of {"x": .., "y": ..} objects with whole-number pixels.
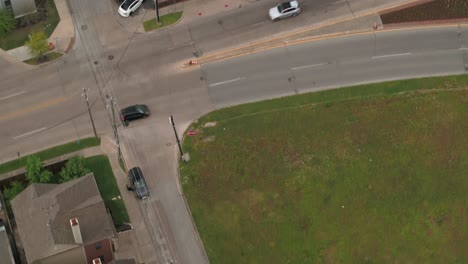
[
  {"x": 126, "y": 4},
  {"x": 139, "y": 184},
  {"x": 283, "y": 6}
]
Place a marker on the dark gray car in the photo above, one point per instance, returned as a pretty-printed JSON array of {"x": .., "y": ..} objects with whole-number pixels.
[
  {"x": 138, "y": 183},
  {"x": 134, "y": 112}
]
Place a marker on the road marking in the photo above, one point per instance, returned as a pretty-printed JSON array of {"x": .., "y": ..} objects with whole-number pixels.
[
  {"x": 308, "y": 66},
  {"x": 464, "y": 48},
  {"x": 391, "y": 55},
  {"x": 228, "y": 81},
  {"x": 12, "y": 95},
  {"x": 32, "y": 108},
  {"x": 31, "y": 132},
  {"x": 219, "y": 54},
  {"x": 339, "y": 2}
]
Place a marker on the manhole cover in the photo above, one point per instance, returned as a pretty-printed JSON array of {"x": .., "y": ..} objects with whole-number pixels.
[
  {"x": 84, "y": 27},
  {"x": 96, "y": 62},
  {"x": 110, "y": 57},
  {"x": 220, "y": 22},
  {"x": 201, "y": 78}
]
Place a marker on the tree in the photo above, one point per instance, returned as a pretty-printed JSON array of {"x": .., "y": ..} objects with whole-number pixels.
[
  {"x": 35, "y": 173},
  {"x": 37, "y": 44},
  {"x": 73, "y": 169},
  {"x": 7, "y": 22},
  {"x": 15, "y": 188}
]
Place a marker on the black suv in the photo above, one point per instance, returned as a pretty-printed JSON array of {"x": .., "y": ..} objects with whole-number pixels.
[
  {"x": 138, "y": 183},
  {"x": 134, "y": 112}
]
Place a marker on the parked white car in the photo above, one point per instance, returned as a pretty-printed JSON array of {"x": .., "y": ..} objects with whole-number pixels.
[
  {"x": 129, "y": 6},
  {"x": 284, "y": 10}
]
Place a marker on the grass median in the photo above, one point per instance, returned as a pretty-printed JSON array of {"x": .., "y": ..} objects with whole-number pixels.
[
  {"x": 165, "y": 20},
  {"x": 50, "y": 153},
  {"x": 370, "y": 173}
]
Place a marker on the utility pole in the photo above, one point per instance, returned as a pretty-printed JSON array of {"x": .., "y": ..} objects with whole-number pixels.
[
  {"x": 171, "y": 121},
  {"x": 85, "y": 94},
  {"x": 157, "y": 11},
  {"x": 110, "y": 102}
]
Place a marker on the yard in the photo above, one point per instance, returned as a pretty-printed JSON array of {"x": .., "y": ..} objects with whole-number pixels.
[
  {"x": 367, "y": 174},
  {"x": 108, "y": 188},
  {"x": 46, "y": 18}
]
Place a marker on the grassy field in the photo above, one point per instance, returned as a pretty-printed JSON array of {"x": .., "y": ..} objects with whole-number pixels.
[
  {"x": 166, "y": 20},
  {"x": 51, "y": 153},
  {"x": 367, "y": 174},
  {"x": 108, "y": 188}
]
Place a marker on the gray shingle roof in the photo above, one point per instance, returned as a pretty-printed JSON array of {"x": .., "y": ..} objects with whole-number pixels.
[{"x": 43, "y": 211}]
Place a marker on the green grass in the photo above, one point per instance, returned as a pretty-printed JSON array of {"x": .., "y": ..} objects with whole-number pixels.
[
  {"x": 51, "y": 56},
  {"x": 108, "y": 188},
  {"x": 368, "y": 174},
  {"x": 19, "y": 36},
  {"x": 51, "y": 153},
  {"x": 166, "y": 20}
]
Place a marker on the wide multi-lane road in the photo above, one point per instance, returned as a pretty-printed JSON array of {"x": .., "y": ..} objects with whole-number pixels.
[{"x": 44, "y": 106}]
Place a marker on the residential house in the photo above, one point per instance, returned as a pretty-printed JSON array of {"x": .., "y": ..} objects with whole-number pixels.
[
  {"x": 64, "y": 223},
  {"x": 20, "y": 8}
]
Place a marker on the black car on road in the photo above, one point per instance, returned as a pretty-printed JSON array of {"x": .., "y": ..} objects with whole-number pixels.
[
  {"x": 138, "y": 183},
  {"x": 134, "y": 112}
]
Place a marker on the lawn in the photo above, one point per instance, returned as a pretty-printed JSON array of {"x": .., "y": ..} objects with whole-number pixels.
[
  {"x": 19, "y": 36},
  {"x": 108, "y": 188},
  {"x": 368, "y": 174},
  {"x": 51, "y": 153},
  {"x": 165, "y": 20},
  {"x": 51, "y": 56}
]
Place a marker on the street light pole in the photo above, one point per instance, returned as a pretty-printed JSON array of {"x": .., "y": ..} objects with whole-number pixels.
[
  {"x": 110, "y": 103},
  {"x": 157, "y": 11},
  {"x": 171, "y": 120},
  {"x": 85, "y": 94}
]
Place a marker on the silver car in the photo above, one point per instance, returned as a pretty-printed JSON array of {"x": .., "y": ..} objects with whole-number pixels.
[{"x": 284, "y": 10}]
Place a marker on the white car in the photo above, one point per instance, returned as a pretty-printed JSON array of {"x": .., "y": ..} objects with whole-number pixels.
[
  {"x": 284, "y": 10},
  {"x": 129, "y": 6}
]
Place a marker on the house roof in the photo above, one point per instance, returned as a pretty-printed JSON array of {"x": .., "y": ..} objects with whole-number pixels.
[{"x": 43, "y": 211}]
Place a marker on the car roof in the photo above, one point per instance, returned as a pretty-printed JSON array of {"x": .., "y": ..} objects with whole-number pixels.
[{"x": 133, "y": 109}]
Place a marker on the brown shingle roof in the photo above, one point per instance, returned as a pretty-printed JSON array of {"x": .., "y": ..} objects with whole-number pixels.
[{"x": 43, "y": 211}]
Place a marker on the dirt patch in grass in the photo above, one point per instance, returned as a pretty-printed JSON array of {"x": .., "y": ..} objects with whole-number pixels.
[{"x": 425, "y": 11}]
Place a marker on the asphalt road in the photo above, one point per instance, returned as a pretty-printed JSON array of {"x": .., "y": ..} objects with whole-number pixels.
[
  {"x": 337, "y": 62},
  {"x": 45, "y": 106}
]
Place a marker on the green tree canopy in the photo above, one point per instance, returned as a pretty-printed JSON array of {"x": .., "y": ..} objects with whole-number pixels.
[
  {"x": 37, "y": 44},
  {"x": 73, "y": 169},
  {"x": 15, "y": 188},
  {"x": 7, "y": 22},
  {"x": 35, "y": 173}
]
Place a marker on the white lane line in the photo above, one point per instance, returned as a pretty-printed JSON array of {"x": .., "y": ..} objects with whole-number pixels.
[
  {"x": 31, "y": 132},
  {"x": 391, "y": 55},
  {"x": 308, "y": 66},
  {"x": 464, "y": 48},
  {"x": 228, "y": 81},
  {"x": 11, "y": 95},
  {"x": 339, "y": 2}
]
